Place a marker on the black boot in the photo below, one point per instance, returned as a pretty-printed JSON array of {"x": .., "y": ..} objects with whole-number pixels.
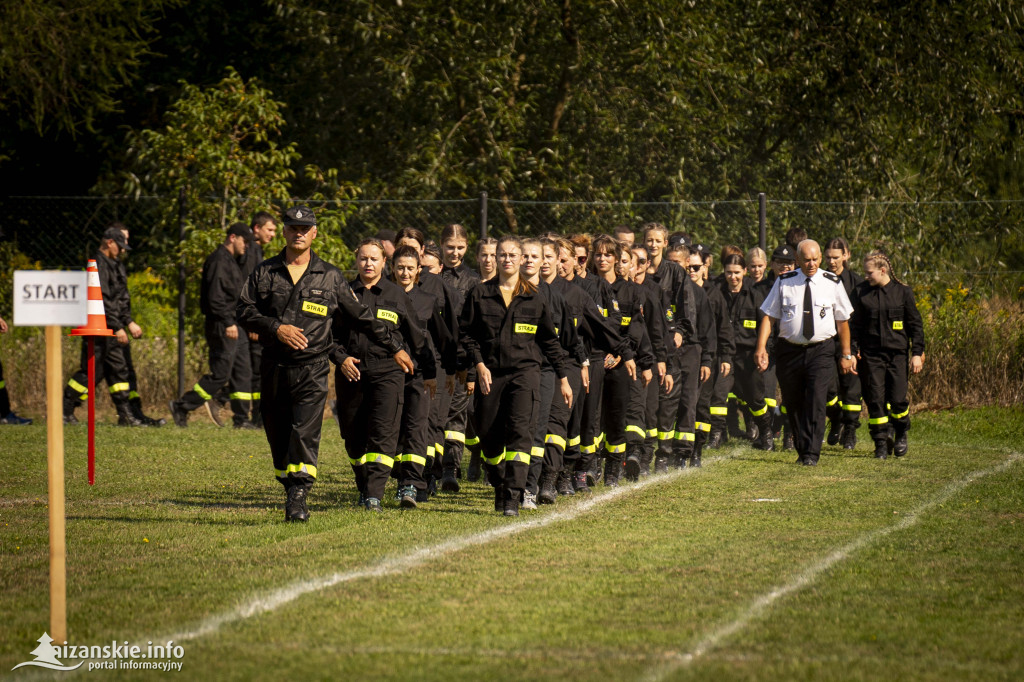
[
  {"x": 849, "y": 437},
  {"x": 698, "y": 448},
  {"x": 547, "y": 493},
  {"x": 881, "y": 448},
  {"x": 125, "y": 416},
  {"x": 661, "y": 463},
  {"x": 511, "y": 504},
  {"x": 633, "y": 462},
  {"x": 295, "y": 508},
  {"x": 766, "y": 439},
  {"x": 136, "y": 405},
  {"x": 449, "y": 482},
  {"x": 900, "y": 445},
  {"x": 834, "y": 432},
  {"x": 473, "y": 474},
  {"x": 564, "y": 485},
  {"x": 715, "y": 440},
  {"x": 612, "y": 470},
  {"x": 646, "y": 457}
]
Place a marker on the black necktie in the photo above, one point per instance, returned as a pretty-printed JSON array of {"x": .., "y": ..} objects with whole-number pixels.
[{"x": 808, "y": 328}]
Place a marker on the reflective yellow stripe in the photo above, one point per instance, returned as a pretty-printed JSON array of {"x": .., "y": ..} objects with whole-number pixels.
[
  {"x": 536, "y": 452},
  {"x": 626, "y": 320},
  {"x": 117, "y": 388},
  {"x": 771, "y": 402},
  {"x": 555, "y": 440},
  {"x": 387, "y": 315},
  {"x": 298, "y": 469},
  {"x": 851, "y": 407},
  {"x": 666, "y": 435},
  {"x": 494, "y": 460},
  {"x": 897, "y": 325},
  {"x": 681, "y": 435},
  {"x": 525, "y": 328},
  {"x": 202, "y": 394},
  {"x": 280, "y": 473},
  {"x": 238, "y": 395},
  {"x": 878, "y": 420},
  {"x": 132, "y": 395},
  {"x": 651, "y": 433},
  {"x": 598, "y": 440},
  {"x": 615, "y": 449},
  {"x": 604, "y": 312},
  {"x": 901, "y": 415},
  {"x": 438, "y": 447},
  {"x": 702, "y": 426},
  {"x": 783, "y": 408},
  {"x": 78, "y": 387},
  {"x": 430, "y": 451},
  {"x": 588, "y": 449},
  {"x": 512, "y": 456},
  {"x": 750, "y": 324},
  {"x": 3, "y": 384},
  {"x": 636, "y": 429},
  {"x": 733, "y": 396},
  {"x": 415, "y": 459},
  {"x": 455, "y": 435},
  {"x": 833, "y": 401},
  {"x": 758, "y": 413},
  {"x": 255, "y": 395},
  {"x": 574, "y": 441},
  {"x": 472, "y": 441},
  {"x": 719, "y": 411},
  {"x": 379, "y": 458},
  {"x": 357, "y": 461}
]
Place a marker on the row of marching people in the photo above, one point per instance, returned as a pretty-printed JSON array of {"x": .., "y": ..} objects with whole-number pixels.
[{"x": 560, "y": 354}]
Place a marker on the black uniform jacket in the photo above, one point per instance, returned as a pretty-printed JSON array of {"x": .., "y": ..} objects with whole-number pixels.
[
  {"x": 568, "y": 339},
  {"x": 705, "y": 334},
  {"x": 601, "y": 291},
  {"x": 391, "y": 306},
  {"x": 462, "y": 278},
  {"x": 433, "y": 327},
  {"x": 594, "y": 328},
  {"x": 321, "y": 297},
  {"x": 656, "y": 315},
  {"x": 744, "y": 314},
  {"x": 114, "y": 286},
  {"x": 726, "y": 344},
  {"x": 670, "y": 276},
  {"x": 886, "y": 318},
  {"x": 223, "y": 279},
  {"x": 630, "y": 300},
  {"x": 512, "y": 338}
]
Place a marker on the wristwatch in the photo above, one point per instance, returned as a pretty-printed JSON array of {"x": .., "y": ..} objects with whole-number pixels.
[{"x": 848, "y": 357}]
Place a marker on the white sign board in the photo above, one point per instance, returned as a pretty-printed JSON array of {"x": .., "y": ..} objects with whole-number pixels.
[{"x": 50, "y": 297}]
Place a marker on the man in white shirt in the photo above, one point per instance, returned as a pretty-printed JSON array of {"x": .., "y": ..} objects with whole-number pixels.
[{"x": 813, "y": 308}]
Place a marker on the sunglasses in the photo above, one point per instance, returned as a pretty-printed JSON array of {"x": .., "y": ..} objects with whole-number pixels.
[
  {"x": 582, "y": 260},
  {"x": 694, "y": 268}
]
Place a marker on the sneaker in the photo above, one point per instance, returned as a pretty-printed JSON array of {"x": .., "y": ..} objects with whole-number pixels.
[
  {"x": 835, "y": 432},
  {"x": 178, "y": 414},
  {"x": 70, "y": 418},
  {"x": 213, "y": 408},
  {"x": 15, "y": 420},
  {"x": 529, "y": 501},
  {"x": 374, "y": 505},
  {"x": 407, "y": 497}
]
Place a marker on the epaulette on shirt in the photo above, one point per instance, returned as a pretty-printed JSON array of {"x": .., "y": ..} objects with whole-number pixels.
[
  {"x": 791, "y": 273},
  {"x": 831, "y": 275}
]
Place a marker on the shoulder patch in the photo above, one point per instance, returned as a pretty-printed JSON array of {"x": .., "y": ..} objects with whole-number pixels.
[
  {"x": 791, "y": 273},
  {"x": 831, "y": 275}
]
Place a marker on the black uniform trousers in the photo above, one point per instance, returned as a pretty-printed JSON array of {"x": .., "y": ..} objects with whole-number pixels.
[
  {"x": 5, "y": 400},
  {"x": 636, "y": 417},
  {"x": 502, "y": 418},
  {"x": 229, "y": 366},
  {"x": 618, "y": 388},
  {"x": 885, "y": 391},
  {"x": 702, "y": 424},
  {"x": 689, "y": 392},
  {"x": 255, "y": 360},
  {"x": 571, "y": 454},
  {"x": 110, "y": 366},
  {"x": 368, "y": 411},
  {"x": 844, "y": 397},
  {"x": 294, "y": 397},
  {"x": 590, "y": 421},
  {"x": 438, "y": 420},
  {"x": 653, "y": 398},
  {"x": 805, "y": 373},
  {"x": 455, "y": 428},
  {"x": 540, "y": 421},
  {"x": 414, "y": 438},
  {"x": 556, "y": 440},
  {"x": 668, "y": 406},
  {"x": 717, "y": 408},
  {"x": 747, "y": 383}
]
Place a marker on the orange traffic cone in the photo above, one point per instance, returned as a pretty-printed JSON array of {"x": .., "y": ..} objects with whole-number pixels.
[{"x": 96, "y": 325}]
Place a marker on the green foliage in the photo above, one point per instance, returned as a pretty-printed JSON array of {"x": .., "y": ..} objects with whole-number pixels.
[{"x": 155, "y": 303}]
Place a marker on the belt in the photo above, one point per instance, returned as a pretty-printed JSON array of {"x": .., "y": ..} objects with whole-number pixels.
[{"x": 806, "y": 345}]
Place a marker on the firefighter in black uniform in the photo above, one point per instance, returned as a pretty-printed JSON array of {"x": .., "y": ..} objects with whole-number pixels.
[
  {"x": 109, "y": 351},
  {"x": 712, "y": 403},
  {"x": 291, "y": 301},
  {"x": 7, "y": 415},
  {"x": 844, "y": 395},
  {"x": 506, "y": 327},
  {"x": 885, "y": 324},
  {"x": 264, "y": 229},
  {"x": 222, "y": 282},
  {"x": 371, "y": 388}
]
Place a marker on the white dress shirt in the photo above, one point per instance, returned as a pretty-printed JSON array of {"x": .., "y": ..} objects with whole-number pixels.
[{"x": 785, "y": 303}]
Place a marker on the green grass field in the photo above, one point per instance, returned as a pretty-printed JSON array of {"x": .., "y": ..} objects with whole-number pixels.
[{"x": 750, "y": 568}]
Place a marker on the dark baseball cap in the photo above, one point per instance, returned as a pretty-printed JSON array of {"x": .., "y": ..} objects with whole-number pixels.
[
  {"x": 677, "y": 239},
  {"x": 299, "y": 215},
  {"x": 703, "y": 249},
  {"x": 241, "y": 230},
  {"x": 117, "y": 236},
  {"x": 784, "y": 254},
  {"x": 386, "y": 235}
]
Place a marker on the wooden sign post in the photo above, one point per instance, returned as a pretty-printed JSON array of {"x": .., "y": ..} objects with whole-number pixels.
[{"x": 52, "y": 299}]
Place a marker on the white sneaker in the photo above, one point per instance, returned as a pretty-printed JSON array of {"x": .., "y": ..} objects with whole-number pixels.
[{"x": 529, "y": 500}]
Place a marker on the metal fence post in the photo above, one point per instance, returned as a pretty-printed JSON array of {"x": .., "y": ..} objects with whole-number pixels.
[
  {"x": 181, "y": 292},
  {"x": 762, "y": 202},
  {"x": 483, "y": 215}
]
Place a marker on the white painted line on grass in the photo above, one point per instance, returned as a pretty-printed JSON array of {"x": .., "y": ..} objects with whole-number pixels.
[
  {"x": 766, "y": 499},
  {"x": 811, "y": 573},
  {"x": 402, "y": 563}
]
